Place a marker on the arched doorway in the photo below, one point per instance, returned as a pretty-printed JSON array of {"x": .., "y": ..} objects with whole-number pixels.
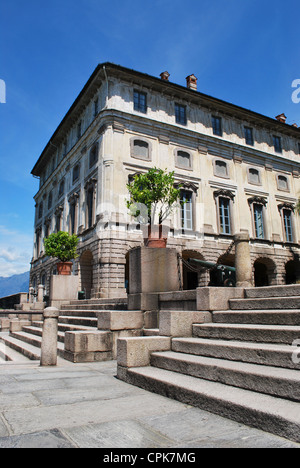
[
  {"x": 192, "y": 279},
  {"x": 127, "y": 273},
  {"x": 292, "y": 271},
  {"x": 86, "y": 273},
  {"x": 264, "y": 271}
]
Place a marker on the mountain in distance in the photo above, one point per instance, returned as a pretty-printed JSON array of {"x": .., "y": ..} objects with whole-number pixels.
[{"x": 14, "y": 284}]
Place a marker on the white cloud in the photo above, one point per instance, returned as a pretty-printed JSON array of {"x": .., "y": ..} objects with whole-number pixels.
[
  {"x": 15, "y": 251},
  {"x": 9, "y": 255}
]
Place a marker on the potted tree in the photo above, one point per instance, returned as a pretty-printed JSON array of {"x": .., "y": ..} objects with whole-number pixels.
[
  {"x": 153, "y": 196},
  {"x": 63, "y": 246}
]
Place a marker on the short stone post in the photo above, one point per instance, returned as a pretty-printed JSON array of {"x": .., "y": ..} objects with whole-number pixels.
[
  {"x": 40, "y": 296},
  {"x": 243, "y": 260},
  {"x": 49, "y": 338}
]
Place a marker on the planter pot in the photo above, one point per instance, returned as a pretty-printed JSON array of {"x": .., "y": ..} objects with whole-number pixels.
[
  {"x": 64, "y": 268},
  {"x": 154, "y": 236}
]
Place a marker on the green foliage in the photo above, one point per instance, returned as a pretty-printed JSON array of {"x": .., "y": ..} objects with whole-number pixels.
[
  {"x": 61, "y": 245},
  {"x": 152, "y": 195}
]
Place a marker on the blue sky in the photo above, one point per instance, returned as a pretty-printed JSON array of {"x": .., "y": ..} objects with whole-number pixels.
[{"x": 245, "y": 52}]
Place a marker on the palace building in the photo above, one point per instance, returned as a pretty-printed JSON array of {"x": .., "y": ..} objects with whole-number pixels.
[{"x": 238, "y": 170}]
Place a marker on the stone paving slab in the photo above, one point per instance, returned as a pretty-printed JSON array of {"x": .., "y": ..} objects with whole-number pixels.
[
  {"x": 46, "y": 439},
  {"x": 84, "y": 405}
]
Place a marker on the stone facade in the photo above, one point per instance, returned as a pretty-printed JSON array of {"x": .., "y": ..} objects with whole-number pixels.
[{"x": 239, "y": 172}]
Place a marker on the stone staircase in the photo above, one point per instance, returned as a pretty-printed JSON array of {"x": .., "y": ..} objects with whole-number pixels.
[
  {"x": 77, "y": 315},
  {"x": 242, "y": 366}
]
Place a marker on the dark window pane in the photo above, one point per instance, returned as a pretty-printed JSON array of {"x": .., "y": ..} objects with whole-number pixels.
[
  {"x": 258, "y": 221},
  {"x": 277, "y": 144},
  {"x": 140, "y": 101},
  {"x": 287, "y": 221},
  {"x": 249, "y": 136},
  {"x": 186, "y": 210},
  {"x": 180, "y": 114},
  {"x": 217, "y": 125},
  {"x": 224, "y": 212}
]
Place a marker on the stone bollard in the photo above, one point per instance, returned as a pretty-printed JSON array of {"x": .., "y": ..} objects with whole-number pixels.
[
  {"x": 40, "y": 296},
  {"x": 49, "y": 339},
  {"x": 243, "y": 260}
]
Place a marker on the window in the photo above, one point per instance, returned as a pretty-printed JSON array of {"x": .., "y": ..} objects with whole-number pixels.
[
  {"x": 254, "y": 176},
  {"x": 217, "y": 125},
  {"x": 287, "y": 224},
  {"x": 282, "y": 183},
  {"x": 93, "y": 157},
  {"x": 72, "y": 218},
  {"x": 40, "y": 213},
  {"x": 64, "y": 152},
  {"x": 89, "y": 208},
  {"x": 61, "y": 188},
  {"x": 186, "y": 210},
  {"x": 183, "y": 159},
  {"x": 90, "y": 194},
  {"x": 221, "y": 169},
  {"x": 140, "y": 149},
  {"x": 249, "y": 136},
  {"x": 50, "y": 199},
  {"x": 73, "y": 211},
  {"x": 38, "y": 234},
  {"x": 58, "y": 218},
  {"x": 277, "y": 144},
  {"x": 224, "y": 199},
  {"x": 257, "y": 207},
  {"x": 79, "y": 130},
  {"x": 258, "y": 220},
  {"x": 96, "y": 107},
  {"x": 180, "y": 114},
  {"x": 47, "y": 228},
  {"x": 76, "y": 172},
  {"x": 224, "y": 215},
  {"x": 140, "y": 101},
  {"x": 286, "y": 213}
]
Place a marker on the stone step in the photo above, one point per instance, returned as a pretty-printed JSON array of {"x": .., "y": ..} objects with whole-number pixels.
[
  {"x": 265, "y": 412},
  {"x": 38, "y": 331},
  {"x": 260, "y": 317},
  {"x": 273, "y": 291},
  {"x": 285, "y": 334},
  {"x": 292, "y": 302},
  {"x": 103, "y": 300},
  {"x": 151, "y": 332},
  {"x": 34, "y": 340},
  {"x": 28, "y": 350},
  {"x": 63, "y": 327},
  {"x": 8, "y": 354},
  {"x": 269, "y": 354},
  {"x": 80, "y": 312},
  {"x": 283, "y": 383},
  {"x": 92, "y": 307},
  {"x": 79, "y": 321}
]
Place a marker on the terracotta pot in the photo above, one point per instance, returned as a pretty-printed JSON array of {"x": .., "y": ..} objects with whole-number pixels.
[
  {"x": 64, "y": 268},
  {"x": 155, "y": 237}
]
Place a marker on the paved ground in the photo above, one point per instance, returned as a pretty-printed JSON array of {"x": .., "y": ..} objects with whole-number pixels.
[{"x": 85, "y": 406}]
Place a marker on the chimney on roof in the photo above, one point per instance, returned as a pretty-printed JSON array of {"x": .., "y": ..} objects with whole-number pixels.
[
  {"x": 165, "y": 76},
  {"x": 281, "y": 118},
  {"x": 191, "y": 82}
]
